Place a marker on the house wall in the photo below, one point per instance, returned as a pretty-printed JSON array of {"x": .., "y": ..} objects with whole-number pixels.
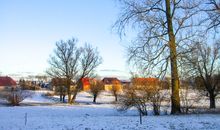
[
  {"x": 108, "y": 87},
  {"x": 6, "y": 87},
  {"x": 86, "y": 87}
]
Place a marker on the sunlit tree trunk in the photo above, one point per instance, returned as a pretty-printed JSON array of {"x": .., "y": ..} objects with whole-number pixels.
[{"x": 175, "y": 98}]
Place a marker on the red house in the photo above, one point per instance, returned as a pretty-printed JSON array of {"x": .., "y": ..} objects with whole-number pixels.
[
  {"x": 7, "y": 82},
  {"x": 86, "y": 84}
]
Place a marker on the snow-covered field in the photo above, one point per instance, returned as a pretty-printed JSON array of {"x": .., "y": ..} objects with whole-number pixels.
[{"x": 89, "y": 116}]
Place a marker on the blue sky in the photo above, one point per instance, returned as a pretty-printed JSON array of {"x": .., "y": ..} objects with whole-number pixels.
[{"x": 30, "y": 28}]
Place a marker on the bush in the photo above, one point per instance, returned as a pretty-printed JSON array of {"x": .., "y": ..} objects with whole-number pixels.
[
  {"x": 15, "y": 96},
  {"x": 133, "y": 98},
  {"x": 141, "y": 93}
]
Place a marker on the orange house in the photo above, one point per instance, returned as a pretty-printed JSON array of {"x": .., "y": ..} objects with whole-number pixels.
[{"x": 110, "y": 82}]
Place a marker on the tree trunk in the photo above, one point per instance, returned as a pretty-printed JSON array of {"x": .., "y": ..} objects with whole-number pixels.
[
  {"x": 140, "y": 114},
  {"x": 63, "y": 98},
  {"x": 77, "y": 89},
  {"x": 116, "y": 97},
  {"x": 74, "y": 97},
  {"x": 175, "y": 98},
  {"x": 69, "y": 98},
  {"x": 69, "y": 90},
  {"x": 212, "y": 99},
  {"x": 60, "y": 97},
  {"x": 94, "y": 99}
]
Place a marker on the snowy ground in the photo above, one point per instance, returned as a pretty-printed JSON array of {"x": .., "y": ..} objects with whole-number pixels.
[{"x": 89, "y": 116}]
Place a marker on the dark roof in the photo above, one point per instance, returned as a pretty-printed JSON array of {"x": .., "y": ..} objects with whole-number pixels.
[
  {"x": 7, "y": 81},
  {"x": 110, "y": 80},
  {"x": 125, "y": 82}
]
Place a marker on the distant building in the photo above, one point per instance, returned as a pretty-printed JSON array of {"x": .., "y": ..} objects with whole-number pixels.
[
  {"x": 86, "y": 84},
  {"x": 7, "y": 82},
  {"x": 110, "y": 81}
]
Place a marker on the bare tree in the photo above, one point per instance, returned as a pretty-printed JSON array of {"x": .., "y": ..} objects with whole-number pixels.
[
  {"x": 96, "y": 86},
  {"x": 212, "y": 8},
  {"x": 73, "y": 63},
  {"x": 88, "y": 62},
  {"x": 205, "y": 63},
  {"x": 165, "y": 29},
  {"x": 64, "y": 62},
  {"x": 116, "y": 88}
]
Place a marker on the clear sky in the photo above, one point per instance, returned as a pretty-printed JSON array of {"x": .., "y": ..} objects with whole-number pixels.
[{"x": 30, "y": 28}]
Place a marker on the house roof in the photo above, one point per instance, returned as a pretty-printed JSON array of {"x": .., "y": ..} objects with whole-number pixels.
[
  {"x": 7, "y": 81},
  {"x": 145, "y": 80},
  {"x": 86, "y": 80},
  {"x": 110, "y": 80}
]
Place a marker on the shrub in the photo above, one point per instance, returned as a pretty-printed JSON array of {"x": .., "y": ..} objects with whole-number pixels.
[
  {"x": 143, "y": 92},
  {"x": 15, "y": 96}
]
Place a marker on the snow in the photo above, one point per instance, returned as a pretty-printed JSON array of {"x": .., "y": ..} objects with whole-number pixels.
[
  {"x": 37, "y": 97},
  {"x": 89, "y": 116}
]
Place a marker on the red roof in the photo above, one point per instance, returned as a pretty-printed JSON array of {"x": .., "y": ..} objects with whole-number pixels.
[{"x": 7, "y": 81}]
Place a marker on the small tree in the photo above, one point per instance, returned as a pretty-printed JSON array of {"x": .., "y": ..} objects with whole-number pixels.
[
  {"x": 96, "y": 86},
  {"x": 116, "y": 88}
]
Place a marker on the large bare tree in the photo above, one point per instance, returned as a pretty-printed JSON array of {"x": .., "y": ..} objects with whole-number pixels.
[
  {"x": 88, "y": 62},
  {"x": 73, "y": 63},
  {"x": 64, "y": 62},
  {"x": 165, "y": 29}
]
